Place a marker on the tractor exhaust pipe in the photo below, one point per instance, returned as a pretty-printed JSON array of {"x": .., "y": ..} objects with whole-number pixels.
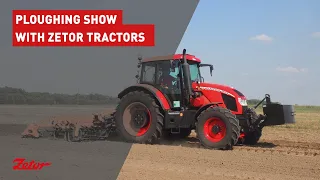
[{"x": 187, "y": 77}]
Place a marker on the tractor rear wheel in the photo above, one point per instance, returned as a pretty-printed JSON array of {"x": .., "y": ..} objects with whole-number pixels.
[
  {"x": 138, "y": 119},
  {"x": 218, "y": 128}
]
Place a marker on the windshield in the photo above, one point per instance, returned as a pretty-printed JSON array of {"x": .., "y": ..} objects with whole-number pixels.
[{"x": 194, "y": 71}]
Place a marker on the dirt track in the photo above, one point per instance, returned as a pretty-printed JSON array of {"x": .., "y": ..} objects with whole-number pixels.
[{"x": 282, "y": 154}]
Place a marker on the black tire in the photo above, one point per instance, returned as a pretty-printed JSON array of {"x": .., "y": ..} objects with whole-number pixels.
[
  {"x": 230, "y": 126},
  {"x": 252, "y": 138},
  {"x": 154, "y": 132}
]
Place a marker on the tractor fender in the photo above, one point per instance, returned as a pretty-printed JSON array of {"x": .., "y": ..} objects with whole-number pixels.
[
  {"x": 156, "y": 93},
  {"x": 204, "y": 107}
]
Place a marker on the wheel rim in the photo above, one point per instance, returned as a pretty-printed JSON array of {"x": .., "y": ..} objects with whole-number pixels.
[
  {"x": 137, "y": 119},
  {"x": 214, "y": 129}
]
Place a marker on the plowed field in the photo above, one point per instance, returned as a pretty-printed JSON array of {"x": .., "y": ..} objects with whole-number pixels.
[{"x": 284, "y": 152}]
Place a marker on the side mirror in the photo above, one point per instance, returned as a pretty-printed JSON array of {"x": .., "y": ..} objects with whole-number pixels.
[{"x": 211, "y": 67}]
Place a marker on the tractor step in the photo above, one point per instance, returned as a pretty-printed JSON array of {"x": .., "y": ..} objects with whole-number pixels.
[
  {"x": 174, "y": 112},
  {"x": 175, "y": 131}
]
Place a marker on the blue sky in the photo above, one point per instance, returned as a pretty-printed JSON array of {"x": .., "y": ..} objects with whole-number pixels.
[{"x": 259, "y": 47}]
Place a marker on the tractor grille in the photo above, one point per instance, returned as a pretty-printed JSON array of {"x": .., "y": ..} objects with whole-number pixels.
[{"x": 230, "y": 102}]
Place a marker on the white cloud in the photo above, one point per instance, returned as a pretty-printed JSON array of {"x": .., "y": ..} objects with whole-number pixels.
[
  {"x": 261, "y": 37},
  {"x": 316, "y": 35},
  {"x": 291, "y": 69}
]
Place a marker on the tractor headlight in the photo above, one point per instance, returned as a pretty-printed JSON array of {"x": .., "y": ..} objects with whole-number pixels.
[{"x": 243, "y": 102}]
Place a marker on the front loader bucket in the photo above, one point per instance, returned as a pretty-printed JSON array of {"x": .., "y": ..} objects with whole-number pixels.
[{"x": 278, "y": 114}]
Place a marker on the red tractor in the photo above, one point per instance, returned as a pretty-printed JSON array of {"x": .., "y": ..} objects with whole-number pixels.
[{"x": 172, "y": 98}]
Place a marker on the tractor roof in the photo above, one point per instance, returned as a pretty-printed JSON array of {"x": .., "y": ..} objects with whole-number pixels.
[{"x": 172, "y": 57}]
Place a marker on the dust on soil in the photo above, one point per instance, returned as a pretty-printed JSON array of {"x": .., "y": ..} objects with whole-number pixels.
[
  {"x": 283, "y": 153},
  {"x": 272, "y": 159}
]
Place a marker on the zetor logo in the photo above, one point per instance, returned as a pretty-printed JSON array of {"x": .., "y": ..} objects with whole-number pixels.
[{"x": 21, "y": 164}]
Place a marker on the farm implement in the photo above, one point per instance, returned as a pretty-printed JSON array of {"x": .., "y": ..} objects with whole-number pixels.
[
  {"x": 171, "y": 98},
  {"x": 99, "y": 128}
]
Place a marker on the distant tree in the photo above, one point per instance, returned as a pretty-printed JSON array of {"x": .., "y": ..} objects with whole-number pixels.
[{"x": 10, "y": 95}]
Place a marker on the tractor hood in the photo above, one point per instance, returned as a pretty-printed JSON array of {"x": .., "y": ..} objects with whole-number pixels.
[{"x": 220, "y": 88}]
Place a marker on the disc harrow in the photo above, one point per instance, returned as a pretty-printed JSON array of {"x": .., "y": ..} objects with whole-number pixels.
[{"x": 99, "y": 128}]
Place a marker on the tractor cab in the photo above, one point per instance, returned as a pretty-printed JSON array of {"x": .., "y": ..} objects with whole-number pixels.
[{"x": 166, "y": 74}]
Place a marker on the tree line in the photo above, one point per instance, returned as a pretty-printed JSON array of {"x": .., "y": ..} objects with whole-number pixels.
[{"x": 10, "y": 95}]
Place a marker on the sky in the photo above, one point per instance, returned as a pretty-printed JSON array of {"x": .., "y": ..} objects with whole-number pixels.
[
  {"x": 260, "y": 47},
  {"x": 256, "y": 46}
]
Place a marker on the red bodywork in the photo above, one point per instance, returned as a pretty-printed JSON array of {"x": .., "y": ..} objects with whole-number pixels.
[{"x": 212, "y": 93}]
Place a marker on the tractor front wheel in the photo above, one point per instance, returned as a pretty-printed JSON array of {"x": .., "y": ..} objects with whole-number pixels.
[
  {"x": 252, "y": 138},
  {"x": 138, "y": 119},
  {"x": 218, "y": 128}
]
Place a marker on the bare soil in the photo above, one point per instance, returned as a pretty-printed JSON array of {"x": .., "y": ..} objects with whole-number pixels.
[
  {"x": 270, "y": 159},
  {"x": 283, "y": 153}
]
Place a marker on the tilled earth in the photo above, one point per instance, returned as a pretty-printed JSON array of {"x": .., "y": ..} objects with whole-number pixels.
[
  {"x": 282, "y": 153},
  {"x": 270, "y": 159}
]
